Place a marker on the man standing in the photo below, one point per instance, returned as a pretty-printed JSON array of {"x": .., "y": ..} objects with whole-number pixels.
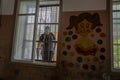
[{"x": 46, "y": 43}]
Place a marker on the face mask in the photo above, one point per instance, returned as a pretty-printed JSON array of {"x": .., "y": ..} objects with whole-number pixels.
[{"x": 47, "y": 30}]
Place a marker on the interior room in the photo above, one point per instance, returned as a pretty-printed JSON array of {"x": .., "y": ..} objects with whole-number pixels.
[{"x": 59, "y": 39}]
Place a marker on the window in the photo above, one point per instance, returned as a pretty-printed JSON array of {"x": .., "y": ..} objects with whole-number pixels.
[
  {"x": 31, "y": 42},
  {"x": 116, "y": 34}
]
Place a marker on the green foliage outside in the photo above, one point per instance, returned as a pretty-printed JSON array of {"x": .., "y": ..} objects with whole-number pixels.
[{"x": 116, "y": 53}]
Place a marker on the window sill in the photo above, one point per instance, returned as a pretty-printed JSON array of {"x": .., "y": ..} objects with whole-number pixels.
[{"x": 36, "y": 63}]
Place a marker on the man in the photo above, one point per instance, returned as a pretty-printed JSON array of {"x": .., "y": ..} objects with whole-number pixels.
[{"x": 46, "y": 42}]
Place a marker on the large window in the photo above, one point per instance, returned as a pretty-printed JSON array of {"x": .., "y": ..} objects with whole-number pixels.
[
  {"x": 116, "y": 34},
  {"x": 36, "y": 31}
]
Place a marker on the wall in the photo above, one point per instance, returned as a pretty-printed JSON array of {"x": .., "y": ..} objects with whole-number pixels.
[
  {"x": 7, "y": 7},
  {"x": 70, "y": 61},
  {"x": 83, "y": 5},
  {"x": 84, "y": 48},
  {"x": 17, "y": 71},
  {"x": 6, "y": 29},
  {"x": 5, "y": 40}
]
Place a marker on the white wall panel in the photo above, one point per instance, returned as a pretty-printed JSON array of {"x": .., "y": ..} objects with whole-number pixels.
[
  {"x": 68, "y": 5},
  {"x": 83, "y": 5}
]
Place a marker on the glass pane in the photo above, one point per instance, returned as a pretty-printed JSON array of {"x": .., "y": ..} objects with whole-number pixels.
[
  {"x": 24, "y": 38},
  {"x": 46, "y": 42},
  {"x": 47, "y": 31},
  {"x": 116, "y": 34},
  {"x": 49, "y": 2},
  {"x": 29, "y": 32},
  {"x": 53, "y": 29},
  {"x": 116, "y": 56},
  {"x": 27, "y": 7},
  {"x": 116, "y": 6},
  {"x": 116, "y": 21},
  {"x": 27, "y": 50},
  {"x": 116, "y": 15},
  {"x": 48, "y": 14}
]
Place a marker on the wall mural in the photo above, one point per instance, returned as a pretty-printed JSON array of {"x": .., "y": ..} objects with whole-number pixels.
[
  {"x": 83, "y": 44},
  {"x": 84, "y": 24}
]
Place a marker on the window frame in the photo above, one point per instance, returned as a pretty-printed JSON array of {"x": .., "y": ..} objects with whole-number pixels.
[
  {"x": 32, "y": 61},
  {"x": 110, "y": 12}
]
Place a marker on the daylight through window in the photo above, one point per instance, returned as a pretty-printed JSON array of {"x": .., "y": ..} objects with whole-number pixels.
[
  {"x": 116, "y": 34},
  {"x": 36, "y": 32}
]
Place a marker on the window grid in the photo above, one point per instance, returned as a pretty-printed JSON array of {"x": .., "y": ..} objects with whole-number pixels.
[
  {"x": 28, "y": 31},
  {"x": 116, "y": 34},
  {"x": 47, "y": 17}
]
